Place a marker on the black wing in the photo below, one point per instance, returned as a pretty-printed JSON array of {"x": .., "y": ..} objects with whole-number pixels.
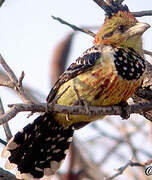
[{"x": 81, "y": 65}]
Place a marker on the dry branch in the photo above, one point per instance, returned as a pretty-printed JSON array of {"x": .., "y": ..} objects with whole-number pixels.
[
  {"x": 142, "y": 13},
  {"x": 74, "y": 110},
  {"x": 1, "y": 2},
  {"x": 17, "y": 83},
  {"x": 5, "y": 125},
  {"x": 3, "y": 142},
  {"x": 130, "y": 163},
  {"x": 74, "y": 27},
  {"x": 5, "y": 175}
]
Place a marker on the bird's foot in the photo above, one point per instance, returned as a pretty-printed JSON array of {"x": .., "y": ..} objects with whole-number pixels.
[{"x": 124, "y": 109}]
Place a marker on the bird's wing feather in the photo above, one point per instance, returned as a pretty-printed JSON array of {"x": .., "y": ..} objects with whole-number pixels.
[{"x": 81, "y": 65}]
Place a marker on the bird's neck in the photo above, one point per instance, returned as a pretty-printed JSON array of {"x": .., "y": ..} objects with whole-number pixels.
[{"x": 134, "y": 42}]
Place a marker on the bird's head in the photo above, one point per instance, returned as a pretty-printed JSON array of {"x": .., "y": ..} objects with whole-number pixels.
[{"x": 121, "y": 28}]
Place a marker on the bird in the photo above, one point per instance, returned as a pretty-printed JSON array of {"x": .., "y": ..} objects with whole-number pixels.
[{"x": 106, "y": 74}]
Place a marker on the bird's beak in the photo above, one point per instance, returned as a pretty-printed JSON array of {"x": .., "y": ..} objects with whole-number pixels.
[{"x": 137, "y": 29}]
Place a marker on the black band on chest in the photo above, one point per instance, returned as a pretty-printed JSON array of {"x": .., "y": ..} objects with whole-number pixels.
[{"x": 129, "y": 64}]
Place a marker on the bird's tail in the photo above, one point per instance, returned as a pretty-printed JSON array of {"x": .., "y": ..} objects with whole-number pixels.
[{"x": 39, "y": 148}]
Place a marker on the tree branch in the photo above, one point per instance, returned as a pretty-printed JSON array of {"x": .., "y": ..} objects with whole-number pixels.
[
  {"x": 74, "y": 27},
  {"x": 5, "y": 175},
  {"x": 142, "y": 13},
  {"x": 17, "y": 84},
  {"x": 3, "y": 142},
  {"x": 1, "y": 2},
  {"x": 130, "y": 163},
  {"x": 148, "y": 52},
  {"x": 73, "y": 110},
  {"x": 5, "y": 125}
]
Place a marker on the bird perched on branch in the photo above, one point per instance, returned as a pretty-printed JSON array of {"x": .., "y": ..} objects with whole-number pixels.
[{"x": 106, "y": 74}]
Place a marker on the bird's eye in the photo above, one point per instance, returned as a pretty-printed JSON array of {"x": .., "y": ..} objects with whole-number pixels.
[
  {"x": 121, "y": 28},
  {"x": 107, "y": 35}
]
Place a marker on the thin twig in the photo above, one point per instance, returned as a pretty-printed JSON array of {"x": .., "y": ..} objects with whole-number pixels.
[
  {"x": 21, "y": 79},
  {"x": 74, "y": 27},
  {"x": 3, "y": 142},
  {"x": 103, "y": 5},
  {"x": 130, "y": 163},
  {"x": 9, "y": 71},
  {"x": 120, "y": 171},
  {"x": 5, "y": 175},
  {"x": 7, "y": 83},
  {"x": 1, "y": 2},
  {"x": 148, "y": 52},
  {"x": 142, "y": 13},
  {"x": 5, "y": 125},
  {"x": 16, "y": 108},
  {"x": 17, "y": 84},
  {"x": 74, "y": 110}
]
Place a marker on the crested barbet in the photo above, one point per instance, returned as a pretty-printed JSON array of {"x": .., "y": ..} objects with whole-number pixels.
[{"x": 106, "y": 74}]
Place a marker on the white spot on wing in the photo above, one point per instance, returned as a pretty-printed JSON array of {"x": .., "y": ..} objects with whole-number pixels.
[
  {"x": 49, "y": 158},
  {"x": 56, "y": 150},
  {"x": 41, "y": 162},
  {"x": 48, "y": 150},
  {"x": 131, "y": 74},
  {"x": 53, "y": 138},
  {"x": 48, "y": 139},
  {"x": 38, "y": 169},
  {"x": 61, "y": 139},
  {"x": 120, "y": 58},
  {"x": 30, "y": 145},
  {"x": 44, "y": 119},
  {"x": 35, "y": 128},
  {"x": 53, "y": 146},
  {"x": 25, "y": 137},
  {"x": 125, "y": 68}
]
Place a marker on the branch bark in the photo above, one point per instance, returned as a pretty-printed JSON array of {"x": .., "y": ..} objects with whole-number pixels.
[
  {"x": 74, "y": 110},
  {"x": 5, "y": 175},
  {"x": 1, "y": 2},
  {"x": 75, "y": 28},
  {"x": 14, "y": 81},
  {"x": 130, "y": 163},
  {"x": 142, "y": 13},
  {"x": 5, "y": 125}
]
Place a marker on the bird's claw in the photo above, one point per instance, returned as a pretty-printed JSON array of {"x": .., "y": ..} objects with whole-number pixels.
[{"x": 124, "y": 109}]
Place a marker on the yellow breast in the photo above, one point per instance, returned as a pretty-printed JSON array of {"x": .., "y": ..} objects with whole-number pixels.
[{"x": 100, "y": 86}]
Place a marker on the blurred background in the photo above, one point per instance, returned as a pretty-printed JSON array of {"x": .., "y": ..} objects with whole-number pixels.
[{"x": 31, "y": 41}]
